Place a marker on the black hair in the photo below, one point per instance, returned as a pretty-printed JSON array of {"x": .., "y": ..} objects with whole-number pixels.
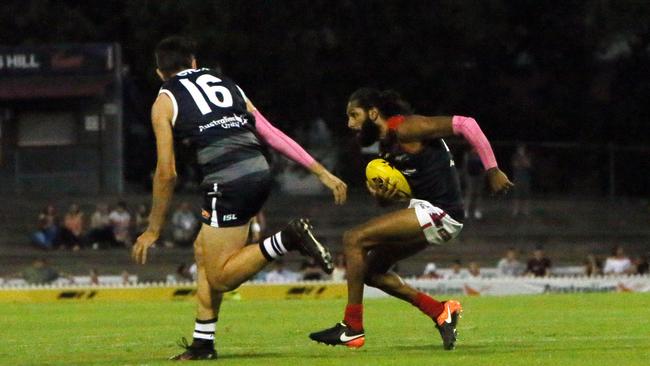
[
  {"x": 388, "y": 102},
  {"x": 174, "y": 54}
]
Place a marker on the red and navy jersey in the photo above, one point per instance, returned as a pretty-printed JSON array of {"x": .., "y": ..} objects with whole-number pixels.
[
  {"x": 210, "y": 111},
  {"x": 430, "y": 172}
]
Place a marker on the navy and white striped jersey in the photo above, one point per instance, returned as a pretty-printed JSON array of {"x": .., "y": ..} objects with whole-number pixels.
[{"x": 210, "y": 112}]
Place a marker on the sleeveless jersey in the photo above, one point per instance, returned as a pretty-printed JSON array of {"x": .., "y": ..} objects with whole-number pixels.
[
  {"x": 210, "y": 112},
  {"x": 431, "y": 173}
]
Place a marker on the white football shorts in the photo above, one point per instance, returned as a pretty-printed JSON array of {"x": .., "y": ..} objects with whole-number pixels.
[{"x": 438, "y": 227}]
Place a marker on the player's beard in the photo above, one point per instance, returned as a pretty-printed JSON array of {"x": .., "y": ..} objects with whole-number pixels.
[{"x": 369, "y": 133}]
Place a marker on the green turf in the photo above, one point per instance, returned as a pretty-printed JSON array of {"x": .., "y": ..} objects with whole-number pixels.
[{"x": 589, "y": 329}]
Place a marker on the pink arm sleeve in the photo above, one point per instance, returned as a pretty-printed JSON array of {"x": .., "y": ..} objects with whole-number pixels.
[
  {"x": 468, "y": 128},
  {"x": 281, "y": 142}
]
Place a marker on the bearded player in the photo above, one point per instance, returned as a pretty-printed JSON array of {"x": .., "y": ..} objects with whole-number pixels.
[
  {"x": 231, "y": 137},
  {"x": 413, "y": 144}
]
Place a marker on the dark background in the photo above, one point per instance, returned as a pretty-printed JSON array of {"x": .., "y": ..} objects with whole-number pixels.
[{"x": 542, "y": 72}]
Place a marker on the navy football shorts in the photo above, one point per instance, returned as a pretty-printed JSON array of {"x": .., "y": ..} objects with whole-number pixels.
[{"x": 236, "y": 203}]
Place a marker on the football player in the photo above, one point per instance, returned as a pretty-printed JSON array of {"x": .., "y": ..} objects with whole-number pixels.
[
  {"x": 230, "y": 136},
  {"x": 434, "y": 216}
]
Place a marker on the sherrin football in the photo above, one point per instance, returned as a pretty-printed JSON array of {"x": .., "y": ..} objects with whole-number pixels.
[{"x": 379, "y": 172}]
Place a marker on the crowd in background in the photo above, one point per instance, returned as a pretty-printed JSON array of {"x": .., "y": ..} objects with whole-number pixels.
[
  {"x": 107, "y": 227},
  {"x": 539, "y": 265}
]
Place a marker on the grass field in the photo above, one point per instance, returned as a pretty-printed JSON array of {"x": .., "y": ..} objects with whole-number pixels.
[{"x": 589, "y": 329}]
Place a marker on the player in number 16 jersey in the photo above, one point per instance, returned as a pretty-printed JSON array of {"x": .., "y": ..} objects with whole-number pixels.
[{"x": 230, "y": 136}]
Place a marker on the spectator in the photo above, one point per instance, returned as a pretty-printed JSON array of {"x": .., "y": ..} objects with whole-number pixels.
[
  {"x": 457, "y": 271},
  {"x": 642, "y": 265},
  {"x": 474, "y": 183},
  {"x": 141, "y": 219},
  {"x": 101, "y": 229},
  {"x": 121, "y": 222},
  {"x": 48, "y": 229},
  {"x": 521, "y": 171},
  {"x": 339, "y": 268},
  {"x": 94, "y": 277},
  {"x": 593, "y": 266},
  {"x": 430, "y": 271},
  {"x": 510, "y": 265},
  {"x": 40, "y": 272},
  {"x": 279, "y": 274},
  {"x": 70, "y": 235},
  {"x": 257, "y": 227},
  {"x": 474, "y": 269},
  {"x": 126, "y": 277},
  {"x": 184, "y": 225},
  {"x": 311, "y": 271},
  {"x": 539, "y": 265},
  {"x": 183, "y": 273},
  {"x": 618, "y": 263}
]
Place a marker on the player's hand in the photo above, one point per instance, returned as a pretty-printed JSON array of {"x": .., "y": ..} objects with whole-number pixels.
[
  {"x": 142, "y": 244},
  {"x": 385, "y": 192},
  {"x": 498, "y": 181},
  {"x": 337, "y": 186}
]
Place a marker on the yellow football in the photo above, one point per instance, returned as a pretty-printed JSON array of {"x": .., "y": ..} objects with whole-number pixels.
[{"x": 380, "y": 173}]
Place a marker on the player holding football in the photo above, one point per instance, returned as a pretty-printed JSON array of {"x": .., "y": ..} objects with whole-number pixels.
[
  {"x": 231, "y": 137},
  {"x": 414, "y": 145}
]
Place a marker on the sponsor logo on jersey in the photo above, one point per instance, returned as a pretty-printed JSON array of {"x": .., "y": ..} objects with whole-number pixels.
[{"x": 226, "y": 122}]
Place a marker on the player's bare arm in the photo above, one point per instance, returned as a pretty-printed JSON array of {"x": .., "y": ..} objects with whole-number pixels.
[
  {"x": 329, "y": 180},
  {"x": 416, "y": 128},
  {"x": 164, "y": 178}
]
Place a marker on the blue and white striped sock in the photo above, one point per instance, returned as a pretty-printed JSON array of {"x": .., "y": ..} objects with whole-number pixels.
[
  {"x": 204, "y": 331},
  {"x": 272, "y": 247}
]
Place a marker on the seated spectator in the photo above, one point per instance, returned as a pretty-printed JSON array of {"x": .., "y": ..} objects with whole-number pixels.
[
  {"x": 40, "y": 272},
  {"x": 257, "y": 228},
  {"x": 126, "y": 278},
  {"x": 474, "y": 269},
  {"x": 141, "y": 219},
  {"x": 539, "y": 265},
  {"x": 48, "y": 229},
  {"x": 94, "y": 277},
  {"x": 311, "y": 271},
  {"x": 100, "y": 234},
  {"x": 184, "y": 225},
  {"x": 430, "y": 271},
  {"x": 121, "y": 222},
  {"x": 457, "y": 271},
  {"x": 593, "y": 267},
  {"x": 339, "y": 268},
  {"x": 183, "y": 273},
  {"x": 510, "y": 265},
  {"x": 71, "y": 232},
  {"x": 618, "y": 263},
  {"x": 642, "y": 265},
  {"x": 279, "y": 274}
]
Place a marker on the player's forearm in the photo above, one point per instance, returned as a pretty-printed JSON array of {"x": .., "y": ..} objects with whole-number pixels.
[
  {"x": 163, "y": 191},
  {"x": 281, "y": 142},
  {"x": 470, "y": 130}
]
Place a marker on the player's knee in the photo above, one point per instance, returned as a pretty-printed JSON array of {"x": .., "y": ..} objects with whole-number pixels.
[
  {"x": 372, "y": 279},
  {"x": 220, "y": 285},
  {"x": 352, "y": 239}
]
